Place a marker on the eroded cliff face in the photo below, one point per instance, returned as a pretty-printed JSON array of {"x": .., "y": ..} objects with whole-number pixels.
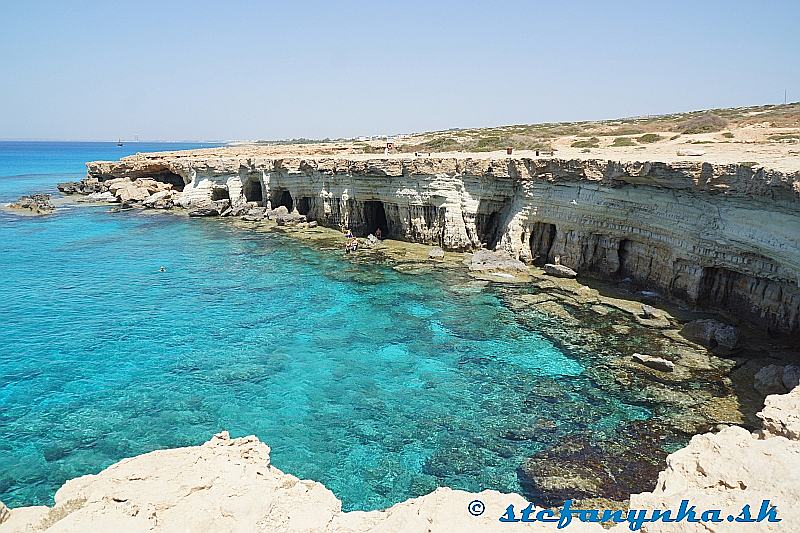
[{"x": 726, "y": 236}]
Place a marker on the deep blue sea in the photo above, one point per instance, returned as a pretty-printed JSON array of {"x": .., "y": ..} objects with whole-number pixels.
[{"x": 381, "y": 385}]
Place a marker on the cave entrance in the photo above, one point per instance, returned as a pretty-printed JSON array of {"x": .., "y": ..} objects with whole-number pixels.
[
  {"x": 542, "y": 238},
  {"x": 170, "y": 177},
  {"x": 253, "y": 193},
  {"x": 375, "y": 217},
  {"x": 487, "y": 230},
  {"x": 283, "y": 198},
  {"x": 623, "y": 256},
  {"x": 304, "y": 205},
  {"x": 716, "y": 286},
  {"x": 220, "y": 193},
  {"x": 488, "y": 222}
]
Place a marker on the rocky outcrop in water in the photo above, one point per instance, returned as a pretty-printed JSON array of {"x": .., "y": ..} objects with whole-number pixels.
[
  {"x": 36, "y": 204},
  {"x": 229, "y": 485}
]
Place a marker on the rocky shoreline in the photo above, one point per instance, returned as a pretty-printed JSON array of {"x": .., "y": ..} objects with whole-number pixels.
[
  {"x": 229, "y": 484},
  {"x": 716, "y": 236},
  {"x": 691, "y": 368}
]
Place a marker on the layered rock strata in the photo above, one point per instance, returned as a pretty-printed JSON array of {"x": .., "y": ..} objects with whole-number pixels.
[
  {"x": 726, "y": 236},
  {"x": 229, "y": 485}
]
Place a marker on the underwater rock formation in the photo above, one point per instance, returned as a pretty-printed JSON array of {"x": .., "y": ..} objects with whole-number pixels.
[{"x": 229, "y": 485}]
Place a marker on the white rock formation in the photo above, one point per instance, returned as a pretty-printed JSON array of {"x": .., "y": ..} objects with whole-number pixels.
[
  {"x": 725, "y": 235},
  {"x": 229, "y": 485},
  {"x": 732, "y": 468}
]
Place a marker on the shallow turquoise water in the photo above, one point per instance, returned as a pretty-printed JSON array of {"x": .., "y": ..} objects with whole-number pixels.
[{"x": 378, "y": 384}]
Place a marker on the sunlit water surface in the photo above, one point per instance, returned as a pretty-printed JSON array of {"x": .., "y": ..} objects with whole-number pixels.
[{"x": 380, "y": 385}]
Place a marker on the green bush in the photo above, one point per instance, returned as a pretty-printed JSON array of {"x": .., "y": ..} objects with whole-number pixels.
[
  {"x": 649, "y": 138},
  {"x": 592, "y": 142},
  {"x": 623, "y": 141}
]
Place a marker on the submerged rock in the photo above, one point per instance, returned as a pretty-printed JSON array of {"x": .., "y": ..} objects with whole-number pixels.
[
  {"x": 559, "y": 271},
  {"x": 656, "y": 363},
  {"x": 578, "y": 468}
]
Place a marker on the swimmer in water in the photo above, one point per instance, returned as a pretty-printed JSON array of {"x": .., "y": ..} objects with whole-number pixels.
[{"x": 162, "y": 269}]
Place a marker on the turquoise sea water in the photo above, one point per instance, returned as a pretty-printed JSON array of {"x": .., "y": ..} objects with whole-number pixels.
[{"x": 380, "y": 385}]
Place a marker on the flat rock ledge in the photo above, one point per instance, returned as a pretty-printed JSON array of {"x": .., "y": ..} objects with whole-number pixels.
[{"x": 229, "y": 484}]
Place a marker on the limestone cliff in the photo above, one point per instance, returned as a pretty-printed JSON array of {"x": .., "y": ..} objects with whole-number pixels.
[{"x": 722, "y": 235}]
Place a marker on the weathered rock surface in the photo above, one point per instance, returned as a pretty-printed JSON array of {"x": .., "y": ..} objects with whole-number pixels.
[
  {"x": 781, "y": 415},
  {"x": 559, "y": 271},
  {"x": 711, "y": 333},
  {"x": 37, "y": 204},
  {"x": 435, "y": 253},
  {"x": 204, "y": 212},
  {"x": 721, "y": 235},
  {"x": 105, "y": 196},
  {"x": 656, "y": 363},
  {"x": 229, "y": 485},
  {"x": 489, "y": 261}
]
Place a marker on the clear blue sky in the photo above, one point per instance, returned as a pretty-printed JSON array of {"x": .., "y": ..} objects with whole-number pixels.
[{"x": 246, "y": 70}]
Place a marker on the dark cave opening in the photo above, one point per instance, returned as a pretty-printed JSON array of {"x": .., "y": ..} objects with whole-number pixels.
[
  {"x": 541, "y": 241},
  {"x": 375, "y": 217},
  {"x": 283, "y": 198},
  {"x": 220, "y": 193},
  {"x": 253, "y": 192},
  {"x": 170, "y": 177},
  {"x": 623, "y": 254},
  {"x": 304, "y": 205}
]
